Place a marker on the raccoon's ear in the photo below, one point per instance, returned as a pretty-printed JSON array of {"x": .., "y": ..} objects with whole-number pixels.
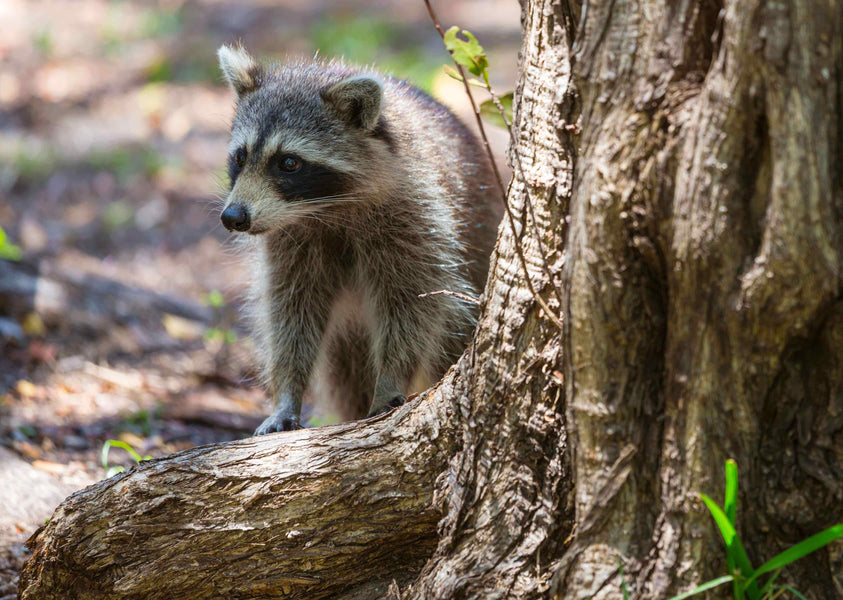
[
  {"x": 356, "y": 100},
  {"x": 242, "y": 72}
]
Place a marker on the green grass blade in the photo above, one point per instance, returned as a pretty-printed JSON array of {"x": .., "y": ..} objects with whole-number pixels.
[
  {"x": 727, "y": 530},
  {"x": 104, "y": 454},
  {"x": 734, "y": 547},
  {"x": 624, "y": 590},
  {"x": 793, "y": 591},
  {"x": 730, "y": 507},
  {"x": 730, "y": 500},
  {"x": 118, "y": 444},
  {"x": 113, "y": 471},
  {"x": 768, "y": 585},
  {"x": 803, "y": 548},
  {"x": 704, "y": 587}
]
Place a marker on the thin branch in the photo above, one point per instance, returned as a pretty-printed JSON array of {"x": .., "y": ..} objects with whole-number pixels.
[
  {"x": 465, "y": 297},
  {"x": 474, "y": 106},
  {"x": 518, "y": 249}
]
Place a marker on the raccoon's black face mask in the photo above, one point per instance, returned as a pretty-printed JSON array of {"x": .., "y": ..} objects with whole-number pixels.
[{"x": 305, "y": 137}]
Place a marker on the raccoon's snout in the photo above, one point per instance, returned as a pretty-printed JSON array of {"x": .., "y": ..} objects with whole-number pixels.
[{"x": 236, "y": 218}]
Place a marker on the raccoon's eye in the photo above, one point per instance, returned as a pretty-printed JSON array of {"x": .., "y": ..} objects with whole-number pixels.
[
  {"x": 240, "y": 157},
  {"x": 236, "y": 161},
  {"x": 289, "y": 163}
]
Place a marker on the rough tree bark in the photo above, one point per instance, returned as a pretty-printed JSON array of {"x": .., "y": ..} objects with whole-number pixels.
[
  {"x": 703, "y": 280},
  {"x": 687, "y": 232},
  {"x": 308, "y": 514}
]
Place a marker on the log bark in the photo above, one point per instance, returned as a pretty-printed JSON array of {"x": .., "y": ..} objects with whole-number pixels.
[
  {"x": 61, "y": 293},
  {"x": 678, "y": 202},
  {"x": 317, "y": 513}
]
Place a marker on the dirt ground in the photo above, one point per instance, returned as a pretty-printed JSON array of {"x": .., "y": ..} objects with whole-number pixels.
[{"x": 119, "y": 318}]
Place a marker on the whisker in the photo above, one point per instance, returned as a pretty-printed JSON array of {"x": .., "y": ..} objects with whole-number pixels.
[
  {"x": 322, "y": 201},
  {"x": 333, "y": 219}
]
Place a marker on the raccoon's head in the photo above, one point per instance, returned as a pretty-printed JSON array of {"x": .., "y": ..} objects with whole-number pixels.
[{"x": 307, "y": 139}]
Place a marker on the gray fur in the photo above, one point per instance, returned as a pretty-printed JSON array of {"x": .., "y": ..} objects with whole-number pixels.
[
  {"x": 241, "y": 71},
  {"x": 356, "y": 100},
  {"x": 339, "y": 277}
]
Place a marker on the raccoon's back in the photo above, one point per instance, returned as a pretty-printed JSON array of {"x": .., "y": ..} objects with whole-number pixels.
[{"x": 440, "y": 150}]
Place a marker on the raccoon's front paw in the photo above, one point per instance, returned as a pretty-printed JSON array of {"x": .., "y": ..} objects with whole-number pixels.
[
  {"x": 394, "y": 402},
  {"x": 278, "y": 422}
]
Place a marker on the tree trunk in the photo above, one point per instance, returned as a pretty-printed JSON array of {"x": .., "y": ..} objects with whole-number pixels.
[
  {"x": 703, "y": 280},
  {"x": 667, "y": 296}
]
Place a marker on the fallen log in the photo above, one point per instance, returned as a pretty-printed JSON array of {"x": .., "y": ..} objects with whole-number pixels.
[
  {"x": 62, "y": 292},
  {"x": 339, "y": 511}
]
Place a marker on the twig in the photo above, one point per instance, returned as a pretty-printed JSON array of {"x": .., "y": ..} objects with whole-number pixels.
[
  {"x": 474, "y": 106},
  {"x": 465, "y": 297},
  {"x": 518, "y": 250},
  {"x": 129, "y": 381}
]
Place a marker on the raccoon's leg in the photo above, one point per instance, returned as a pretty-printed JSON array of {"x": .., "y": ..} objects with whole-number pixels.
[
  {"x": 413, "y": 333},
  {"x": 408, "y": 336},
  {"x": 350, "y": 372},
  {"x": 292, "y": 343},
  {"x": 389, "y": 394}
]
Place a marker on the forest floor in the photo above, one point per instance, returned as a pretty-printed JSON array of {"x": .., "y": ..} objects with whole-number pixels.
[{"x": 118, "y": 321}]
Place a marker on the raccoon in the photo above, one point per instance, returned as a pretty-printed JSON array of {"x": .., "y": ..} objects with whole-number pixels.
[{"x": 359, "y": 193}]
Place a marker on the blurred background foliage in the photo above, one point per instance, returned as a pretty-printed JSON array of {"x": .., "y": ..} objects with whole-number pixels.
[
  {"x": 120, "y": 291},
  {"x": 113, "y": 131},
  {"x": 117, "y": 92}
]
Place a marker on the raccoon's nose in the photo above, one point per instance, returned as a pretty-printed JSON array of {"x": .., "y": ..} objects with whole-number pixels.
[{"x": 236, "y": 218}]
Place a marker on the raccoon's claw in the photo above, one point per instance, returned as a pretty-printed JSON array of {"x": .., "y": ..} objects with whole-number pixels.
[
  {"x": 395, "y": 402},
  {"x": 275, "y": 423},
  {"x": 290, "y": 424}
]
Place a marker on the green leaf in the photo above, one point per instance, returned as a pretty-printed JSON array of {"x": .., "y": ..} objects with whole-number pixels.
[
  {"x": 452, "y": 73},
  {"x": 792, "y": 591},
  {"x": 118, "y": 444},
  {"x": 768, "y": 585},
  {"x": 114, "y": 470},
  {"x": 730, "y": 503},
  {"x": 803, "y": 548},
  {"x": 704, "y": 587},
  {"x": 734, "y": 547},
  {"x": 7, "y": 249},
  {"x": 730, "y": 500},
  {"x": 466, "y": 51},
  {"x": 214, "y": 298},
  {"x": 492, "y": 113}
]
